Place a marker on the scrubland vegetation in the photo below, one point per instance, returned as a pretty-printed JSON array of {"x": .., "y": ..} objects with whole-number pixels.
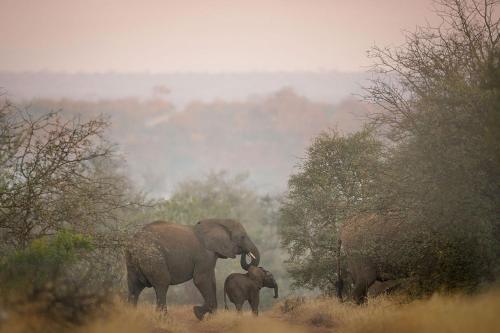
[
  {"x": 382, "y": 315},
  {"x": 421, "y": 179}
]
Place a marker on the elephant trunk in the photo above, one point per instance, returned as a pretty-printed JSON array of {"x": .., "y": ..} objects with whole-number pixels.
[
  {"x": 243, "y": 261},
  {"x": 253, "y": 252},
  {"x": 275, "y": 290}
]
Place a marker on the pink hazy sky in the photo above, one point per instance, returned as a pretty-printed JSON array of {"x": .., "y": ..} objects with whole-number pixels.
[{"x": 202, "y": 35}]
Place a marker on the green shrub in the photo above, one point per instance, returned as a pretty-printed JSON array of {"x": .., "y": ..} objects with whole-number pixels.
[
  {"x": 59, "y": 276},
  {"x": 32, "y": 269}
]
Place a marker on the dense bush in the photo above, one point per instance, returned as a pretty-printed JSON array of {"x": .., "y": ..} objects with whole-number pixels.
[
  {"x": 442, "y": 119},
  {"x": 437, "y": 183},
  {"x": 59, "y": 174},
  {"x": 58, "y": 276}
]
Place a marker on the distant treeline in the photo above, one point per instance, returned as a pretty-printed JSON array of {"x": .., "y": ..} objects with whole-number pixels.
[
  {"x": 261, "y": 135},
  {"x": 180, "y": 88}
]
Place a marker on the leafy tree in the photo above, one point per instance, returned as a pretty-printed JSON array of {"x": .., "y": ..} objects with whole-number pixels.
[
  {"x": 58, "y": 173},
  {"x": 335, "y": 180},
  {"x": 440, "y": 95},
  {"x": 65, "y": 207}
]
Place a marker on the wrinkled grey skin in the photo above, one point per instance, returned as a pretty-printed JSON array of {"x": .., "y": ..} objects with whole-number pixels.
[
  {"x": 246, "y": 287},
  {"x": 164, "y": 254},
  {"x": 364, "y": 274},
  {"x": 366, "y": 242}
]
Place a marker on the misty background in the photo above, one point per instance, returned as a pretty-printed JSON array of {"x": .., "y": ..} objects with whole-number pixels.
[
  {"x": 192, "y": 86},
  {"x": 171, "y": 127}
]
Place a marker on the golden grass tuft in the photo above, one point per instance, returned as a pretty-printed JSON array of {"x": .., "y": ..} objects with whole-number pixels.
[
  {"x": 457, "y": 314},
  {"x": 22, "y": 323},
  {"x": 127, "y": 319},
  {"x": 180, "y": 319},
  {"x": 385, "y": 315},
  {"x": 438, "y": 314}
]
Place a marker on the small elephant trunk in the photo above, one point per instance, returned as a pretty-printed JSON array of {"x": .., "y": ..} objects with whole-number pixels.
[{"x": 275, "y": 290}]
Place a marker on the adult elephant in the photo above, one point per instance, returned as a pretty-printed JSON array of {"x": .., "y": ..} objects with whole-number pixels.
[
  {"x": 164, "y": 254},
  {"x": 370, "y": 243}
]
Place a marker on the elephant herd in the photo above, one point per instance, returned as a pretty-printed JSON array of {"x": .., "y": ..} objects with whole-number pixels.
[{"x": 164, "y": 254}]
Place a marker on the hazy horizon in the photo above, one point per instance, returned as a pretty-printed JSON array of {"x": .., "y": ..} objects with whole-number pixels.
[{"x": 179, "y": 88}]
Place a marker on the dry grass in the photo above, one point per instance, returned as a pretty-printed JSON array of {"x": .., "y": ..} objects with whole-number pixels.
[
  {"x": 180, "y": 319},
  {"x": 382, "y": 315},
  {"x": 28, "y": 323},
  {"x": 144, "y": 318}
]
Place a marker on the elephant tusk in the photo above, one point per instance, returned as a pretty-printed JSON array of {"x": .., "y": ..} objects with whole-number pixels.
[{"x": 251, "y": 255}]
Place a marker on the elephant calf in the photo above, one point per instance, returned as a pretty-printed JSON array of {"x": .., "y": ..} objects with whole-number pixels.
[{"x": 246, "y": 287}]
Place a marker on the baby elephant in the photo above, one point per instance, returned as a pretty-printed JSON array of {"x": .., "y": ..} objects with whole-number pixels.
[{"x": 246, "y": 287}]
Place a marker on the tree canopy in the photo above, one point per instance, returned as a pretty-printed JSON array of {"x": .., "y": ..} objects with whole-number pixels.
[
  {"x": 334, "y": 181},
  {"x": 437, "y": 174}
]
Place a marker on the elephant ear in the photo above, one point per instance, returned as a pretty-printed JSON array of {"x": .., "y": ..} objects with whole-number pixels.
[
  {"x": 216, "y": 237},
  {"x": 257, "y": 275}
]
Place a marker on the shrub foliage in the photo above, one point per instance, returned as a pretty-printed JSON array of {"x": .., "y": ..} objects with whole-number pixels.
[{"x": 437, "y": 179}]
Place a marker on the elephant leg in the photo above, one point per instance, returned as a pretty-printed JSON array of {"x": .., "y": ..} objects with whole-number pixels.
[
  {"x": 254, "y": 304},
  {"x": 135, "y": 287},
  {"x": 161, "y": 297},
  {"x": 239, "y": 306},
  {"x": 159, "y": 278},
  {"x": 205, "y": 282},
  {"x": 364, "y": 275},
  {"x": 359, "y": 293},
  {"x": 133, "y": 293}
]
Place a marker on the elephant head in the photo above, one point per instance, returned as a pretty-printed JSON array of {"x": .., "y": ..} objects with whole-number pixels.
[
  {"x": 261, "y": 277},
  {"x": 227, "y": 238},
  {"x": 270, "y": 282}
]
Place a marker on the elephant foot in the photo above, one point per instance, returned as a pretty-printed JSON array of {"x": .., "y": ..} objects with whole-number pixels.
[{"x": 199, "y": 311}]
